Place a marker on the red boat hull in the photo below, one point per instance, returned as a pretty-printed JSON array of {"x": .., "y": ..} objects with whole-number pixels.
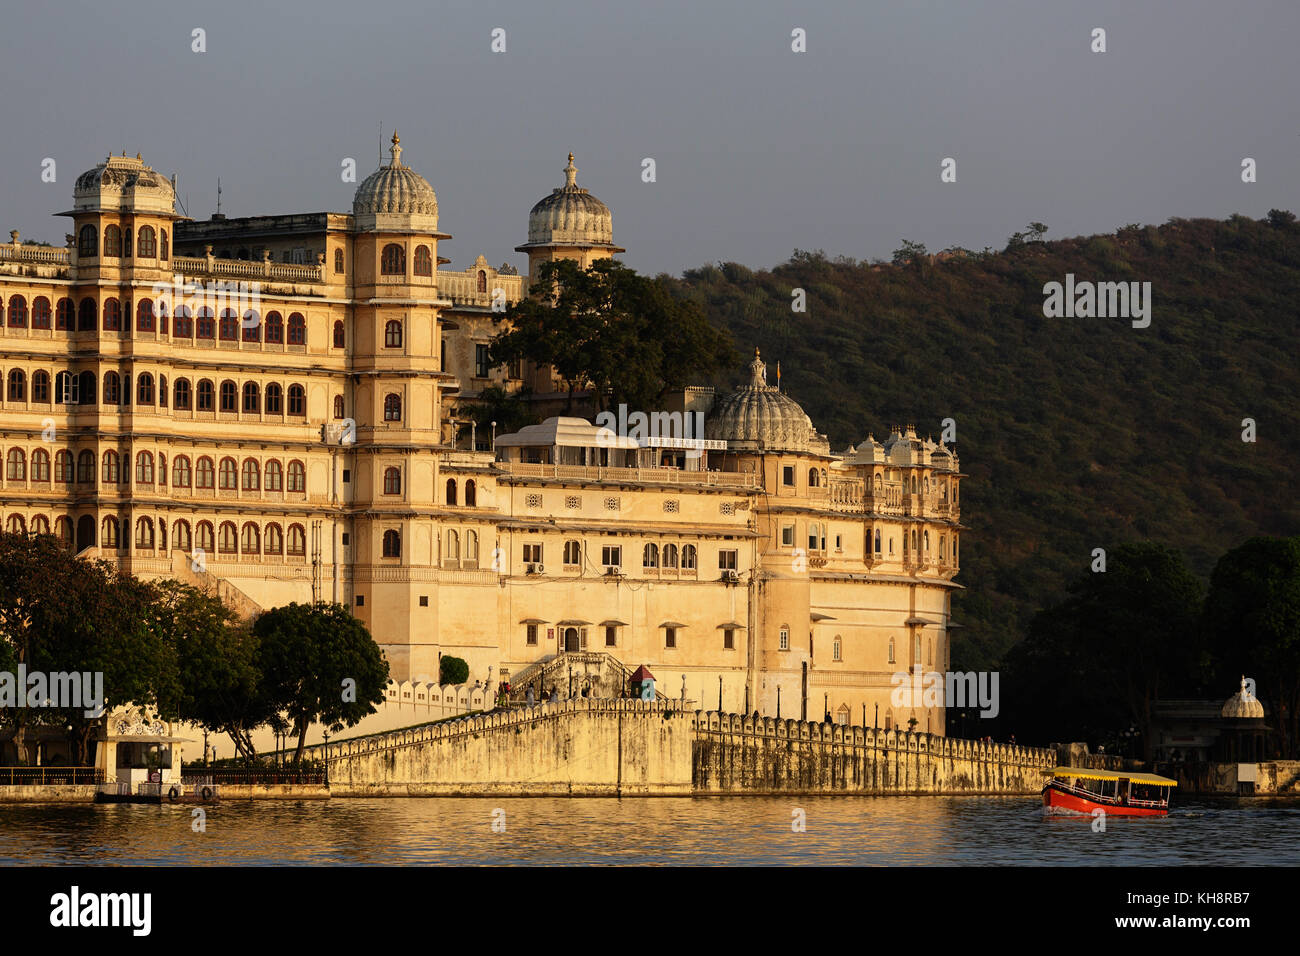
[{"x": 1060, "y": 801}]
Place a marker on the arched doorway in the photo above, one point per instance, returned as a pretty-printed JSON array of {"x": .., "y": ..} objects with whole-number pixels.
[
  {"x": 571, "y": 639},
  {"x": 85, "y": 532}
]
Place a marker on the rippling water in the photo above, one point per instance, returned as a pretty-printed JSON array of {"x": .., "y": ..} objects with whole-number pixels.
[{"x": 867, "y": 831}]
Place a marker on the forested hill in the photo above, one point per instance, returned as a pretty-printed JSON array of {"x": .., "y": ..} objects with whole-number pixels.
[{"x": 1076, "y": 433}]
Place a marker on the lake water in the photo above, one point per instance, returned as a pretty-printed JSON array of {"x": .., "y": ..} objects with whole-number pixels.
[{"x": 864, "y": 831}]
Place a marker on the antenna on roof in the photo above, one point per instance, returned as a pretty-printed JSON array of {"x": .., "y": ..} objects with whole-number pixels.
[
  {"x": 381, "y": 142},
  {"x": 218, "y": 195}
]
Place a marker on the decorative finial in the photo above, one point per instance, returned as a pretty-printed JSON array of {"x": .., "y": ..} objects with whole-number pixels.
[
  {"x": 570, "y": 173},
  {"x": 757, "y": 372},
  {"x": 396, "y": 151}
]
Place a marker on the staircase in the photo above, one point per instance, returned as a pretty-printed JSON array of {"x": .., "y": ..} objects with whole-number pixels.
[{"x": 608, "y": 675}]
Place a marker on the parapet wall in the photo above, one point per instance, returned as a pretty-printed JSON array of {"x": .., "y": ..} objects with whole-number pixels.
[
  {"x": 738, "y": 754},
  {"x": 595, "y": 747}
]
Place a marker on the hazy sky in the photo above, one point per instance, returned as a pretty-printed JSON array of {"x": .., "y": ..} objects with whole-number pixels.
[{"x": 758, "y": 149}]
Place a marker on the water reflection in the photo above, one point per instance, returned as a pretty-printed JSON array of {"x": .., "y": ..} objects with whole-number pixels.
[{"x": 864, "y": 831}]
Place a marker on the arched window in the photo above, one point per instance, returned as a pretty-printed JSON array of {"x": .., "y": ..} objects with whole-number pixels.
[
  {"x": 16, "y": 525},
  {"x": 65, "y": 317},
  {"x": 423, "y": 261},
  {"x": 891, "y": 650},
  {"x": 229, "y": 325},
  {"x": 87, "y": 242},
  {"x": 112, "y": 315},
  {"x": 204, "y": 473},
  {"x": 164, "y": 251},
  {"x": 40, "y": 524},
  {"x": 86, "y": 468},
  {"x": 16, "y": 465},
  {"x": 573, "y": 552},
  {"x": 877, "y": 541},
  {"x": 392, "y": 261},
  {"x": 227, "y": 539},
  {"x": 393, "y": 334},
  {"x": 297, "y": 477},
  {"x": 40, "y": 465},
  {"x": 63, "y": 530},
  {"x": 181, "y": 474},
  {"x": 338, "y": 406},
  {"x": 41, "y": 386},
  {"x": 144, "y": 534},
  {"x": 17, "y": 385},
  {"x": 147, "y": 247},
  {"x": 183, "y": 328},
  {"x": 297, "y": 400},
  {"x": 17, "y": 312},
  {"x": 108, "y": 534},
  {"x": 250, "y": 540},
  {"x": 182, "y": 394},
  {"x": 471, "y": 494},
  {"x": 338, "y": 260},
  {"x": 650, "y": 556},
  {"x": 144, "y": 468},
  {"x": 252, "y": 398},
  {"x": 112, "y": 241},
  {"x": 65, "y": 472},
  {"x": 206, "y": 326},
  {"x": 339, "y": 338},
  {"x": 86, "y": 315},
  {"x": 297, "y": 329},
  {"x": 670, "y": 556},
  {"x": 252, "y": 475},
  {"x": 452, "y": 552},
  {"x": 229, "y": 396},
  {"x": 392, "y": 481},
  {"x": 297, "y": 540},
  {"x": 471, "y": 550},
  {"x": 182, "y": 537},
  {"x": 814, "y": 478},
  {"x": 392, "y": 407},
  {"x": 112, "y": 470},
  {"x": 144, "y": 389},
  {"x": 274, "y": 539},
  {"x": 274, "y": 328},
  {"x": 688, "y": 557},
  {"x": 451, "y": 491},
  {"x": 228, "y": 479},
  {"x": 252, "y": 324},
  {"x": 392, "y": 544},
  {"x": 482, "y": 281},
  {"x": 837, "y": 650},
  {"x": 274, "y": 399},
  {"x": 162, "y": 469},
  {"x": 40, "y": 312},
  {"x": 274, "y": 475},
  {"x": 204, "y": 538}
]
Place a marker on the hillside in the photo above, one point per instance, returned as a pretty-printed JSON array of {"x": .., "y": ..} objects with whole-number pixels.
[{"x": 1076, "y": 433}]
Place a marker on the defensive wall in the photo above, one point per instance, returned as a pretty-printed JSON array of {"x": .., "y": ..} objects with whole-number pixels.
[{"x": 593, "y": 747}]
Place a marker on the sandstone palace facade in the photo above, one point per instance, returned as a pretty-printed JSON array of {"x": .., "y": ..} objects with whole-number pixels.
[{"x": 303, "y": 442}]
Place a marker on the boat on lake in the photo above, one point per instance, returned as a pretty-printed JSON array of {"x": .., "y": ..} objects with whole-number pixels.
[{"x": 1119, "y": 793}]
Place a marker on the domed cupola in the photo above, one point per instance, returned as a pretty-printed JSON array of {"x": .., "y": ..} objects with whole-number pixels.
[
  {"x": 1243, "y": 705},
  {"x": 759, "y": 416},
  {"x": 570, "y": 216},
  {"x": 123, "y": 184},
  {"x": 395, "y": 197}
]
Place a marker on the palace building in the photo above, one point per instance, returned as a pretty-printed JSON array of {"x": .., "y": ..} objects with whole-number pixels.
[{"x": 272, "y": 406}]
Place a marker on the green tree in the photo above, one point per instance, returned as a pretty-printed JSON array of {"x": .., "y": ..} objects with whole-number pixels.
[
  {"x": 909, "y": 252},
  {"x": 1253, "y": 616},
  {"x": 452, "y": 670},
  {"x": 319, "y": 664}
]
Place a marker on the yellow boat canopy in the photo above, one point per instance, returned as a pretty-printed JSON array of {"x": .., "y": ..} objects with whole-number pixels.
[{"x": 1150, "y": 779}]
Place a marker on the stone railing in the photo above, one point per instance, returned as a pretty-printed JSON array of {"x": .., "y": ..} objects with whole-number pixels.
[
  {"x": 674, "y": 476},
  {"x": 245, "y": 269},
  {"x": 462, "y": 289},
  {"x": 26, "y": 252}
]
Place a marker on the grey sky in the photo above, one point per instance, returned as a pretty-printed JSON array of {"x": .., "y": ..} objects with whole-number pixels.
[{"x": 758, "y": 149}]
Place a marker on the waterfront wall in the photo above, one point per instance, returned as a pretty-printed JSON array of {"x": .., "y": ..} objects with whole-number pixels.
[
  {"x": 48, "y": 793},
  {"x": 1272, "y": 777},
  {"x": 619, "y": 747},
  {"x": 739, "y": 754},
  {"x": 576, "y": 747}
]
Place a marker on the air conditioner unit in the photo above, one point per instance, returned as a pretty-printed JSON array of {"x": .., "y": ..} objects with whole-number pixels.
[
  {"x": 541, "y": 569},
  {"x": 530, "y": 569},
  {"x": 611, "y": 572},
  {"x": 730, "y": 577}
]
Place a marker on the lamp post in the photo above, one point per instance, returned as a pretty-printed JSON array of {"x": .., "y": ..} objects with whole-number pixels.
[
  {"x": 778, "y": 701},
  {"x": 719, "y": 694},
  {"x": 205, "y": 746},
  {"x": 494, "y": 438}
]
